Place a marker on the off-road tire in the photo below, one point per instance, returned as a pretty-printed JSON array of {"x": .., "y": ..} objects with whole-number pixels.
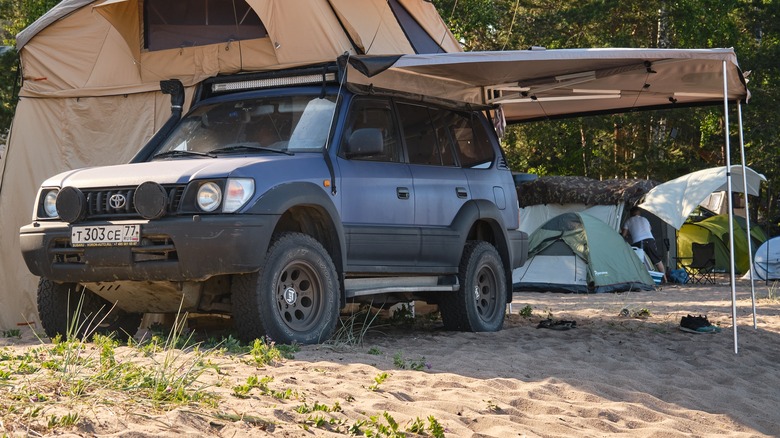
[
  {"x": 480, "y": 303},
  {"x": 293, "y": 298},
  {"x": 58, "y": 304}
]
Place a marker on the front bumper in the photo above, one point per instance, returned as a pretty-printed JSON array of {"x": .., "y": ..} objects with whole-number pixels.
[{"x": 192, "y": 248}]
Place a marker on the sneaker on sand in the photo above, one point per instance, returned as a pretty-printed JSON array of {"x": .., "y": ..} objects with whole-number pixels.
[{"x": 697, "y": 324}]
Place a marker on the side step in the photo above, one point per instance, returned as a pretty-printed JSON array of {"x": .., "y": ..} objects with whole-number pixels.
[{"x": 356, "y": 287}]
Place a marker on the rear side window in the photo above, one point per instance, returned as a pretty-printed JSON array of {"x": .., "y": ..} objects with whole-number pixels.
[
  {"x": 435, "y": 136},
  {"x": 473, "y": 142}
]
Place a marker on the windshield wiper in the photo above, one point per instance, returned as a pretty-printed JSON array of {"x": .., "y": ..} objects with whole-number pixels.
[
  {"x": 243, "y": 147},
  {"x": 181, "y": 153}
]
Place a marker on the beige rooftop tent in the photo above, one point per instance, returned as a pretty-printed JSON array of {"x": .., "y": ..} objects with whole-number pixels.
[{"x": 92, "y": 72}]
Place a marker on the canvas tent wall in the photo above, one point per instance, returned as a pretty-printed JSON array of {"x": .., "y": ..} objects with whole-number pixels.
[
  {"x": 608, "y": 200},
  {"x": 90, "y": 93},
  {"x": 546, "y": 197},
  {"x": 715, "y": 229},
  {"x": 575, "y": 252}
]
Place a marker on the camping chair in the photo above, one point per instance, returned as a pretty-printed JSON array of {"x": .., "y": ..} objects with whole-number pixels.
[{"x": 702, "y": 265}]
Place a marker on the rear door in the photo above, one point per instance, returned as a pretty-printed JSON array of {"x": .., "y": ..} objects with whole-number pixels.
[{"x": 440, "y": 185}]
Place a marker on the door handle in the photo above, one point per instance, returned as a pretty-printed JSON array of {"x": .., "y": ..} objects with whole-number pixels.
[
  {"x": 461, "y": 192},
  {"x": 402, "y": 192}
]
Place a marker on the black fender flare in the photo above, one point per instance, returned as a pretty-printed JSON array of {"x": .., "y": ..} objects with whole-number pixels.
[
  {"x": 283, "y": 197},
  {"x": 483, "y": 210}
]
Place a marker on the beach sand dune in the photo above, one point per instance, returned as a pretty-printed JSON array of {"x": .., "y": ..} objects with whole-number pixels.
[{"x": 620, "y": 372}]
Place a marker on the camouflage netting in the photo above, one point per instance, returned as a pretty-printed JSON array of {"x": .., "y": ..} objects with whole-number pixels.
[{"x": 581, "y": 190}]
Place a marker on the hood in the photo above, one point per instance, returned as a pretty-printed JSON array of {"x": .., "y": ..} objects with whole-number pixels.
[{"x": 175, "y": 171}]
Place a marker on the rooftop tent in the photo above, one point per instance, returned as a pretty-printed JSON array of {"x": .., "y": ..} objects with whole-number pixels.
[
  {"x": 575, "y": 252},
  {"x": 119, "y": 46},
  {"x": 92, "y": 71},
  {"x": 715, "y": 229}
]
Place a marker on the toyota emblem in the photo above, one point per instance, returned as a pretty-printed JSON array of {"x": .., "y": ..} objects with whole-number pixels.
[{"x": 117, "y": 201}]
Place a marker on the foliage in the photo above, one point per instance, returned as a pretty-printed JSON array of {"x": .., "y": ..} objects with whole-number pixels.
[
  {"x": 403, "y": 363},
  {"x": 378, "y": 380}
]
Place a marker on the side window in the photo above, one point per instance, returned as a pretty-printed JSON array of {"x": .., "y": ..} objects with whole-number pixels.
[
  {"x": 419, "y": 134},
  {"x": 473, "y": 142},
  {"x": 371, "y": 133},
  {"x": 442, "y": 120}
]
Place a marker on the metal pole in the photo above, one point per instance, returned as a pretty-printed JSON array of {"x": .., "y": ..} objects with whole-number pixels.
[
  {"x": 747, "y": 213},
  {"x": 731, "y": 207}
]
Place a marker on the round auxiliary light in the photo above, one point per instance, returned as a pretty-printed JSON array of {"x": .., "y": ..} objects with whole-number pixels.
[
  {"x": 209, "y": 196},
  {"x": 150, "y": 200},
  {"x": 71, "y": 204}
]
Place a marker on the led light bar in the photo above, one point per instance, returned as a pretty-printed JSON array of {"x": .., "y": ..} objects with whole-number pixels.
[{"x": 271, "y": 82}]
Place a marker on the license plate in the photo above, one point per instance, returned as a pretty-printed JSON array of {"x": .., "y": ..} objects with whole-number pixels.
[{"x": 105, "y": 235}]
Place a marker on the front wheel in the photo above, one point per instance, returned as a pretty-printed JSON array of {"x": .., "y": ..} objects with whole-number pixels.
[
  {"x": 73, "y": 311},
  {"x": 294, "y": 297},
  {"x": 480, "y": 303}
]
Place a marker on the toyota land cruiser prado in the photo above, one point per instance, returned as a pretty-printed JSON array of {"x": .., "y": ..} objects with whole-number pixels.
[{"x": 279, "y": 198}]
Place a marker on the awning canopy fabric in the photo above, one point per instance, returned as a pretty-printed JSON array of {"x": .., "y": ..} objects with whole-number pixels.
[
  {"x": 541, "y": 84},
  {"x": 674, "y": 201}
]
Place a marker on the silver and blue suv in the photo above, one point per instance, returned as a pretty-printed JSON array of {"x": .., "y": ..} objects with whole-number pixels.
[{"x": 278, "y": 199}]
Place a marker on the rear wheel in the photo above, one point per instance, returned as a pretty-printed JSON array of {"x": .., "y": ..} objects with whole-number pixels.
[
  {"x": 70, "y": 310},
  {"x": 294, "y": 297},
  {"x": 480, "y": 304}
]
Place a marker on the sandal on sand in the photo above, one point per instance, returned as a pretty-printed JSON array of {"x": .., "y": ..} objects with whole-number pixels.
[
  {"x": 557, "y": 325},
  {"x": 697, "y": 324}
]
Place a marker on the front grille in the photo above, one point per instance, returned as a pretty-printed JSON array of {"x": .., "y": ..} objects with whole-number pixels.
[{"x": 99, "y": 204}]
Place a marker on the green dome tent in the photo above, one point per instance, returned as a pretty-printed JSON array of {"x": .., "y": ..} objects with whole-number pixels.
[
  {"x": 715, "y": 229},
  {"x": 575, "y": 252}
]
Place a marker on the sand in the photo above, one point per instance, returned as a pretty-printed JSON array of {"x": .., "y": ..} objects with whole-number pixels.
[{"x": 611, "y": 375}]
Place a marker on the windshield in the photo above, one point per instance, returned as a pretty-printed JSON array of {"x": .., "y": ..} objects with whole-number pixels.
[{"x": 270, "y": 124}]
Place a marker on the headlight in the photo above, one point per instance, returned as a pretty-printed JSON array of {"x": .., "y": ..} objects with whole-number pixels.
[
  {"x": 209, "y": 196},
  {"x": 50, "y": 203},
  {"x": 238, "y": 191}
]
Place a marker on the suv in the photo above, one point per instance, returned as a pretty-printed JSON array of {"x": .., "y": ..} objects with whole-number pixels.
[{"x": 278, "y": 199}]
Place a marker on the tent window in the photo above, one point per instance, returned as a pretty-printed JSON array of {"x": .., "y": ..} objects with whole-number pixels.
[
  {"x": 418, "y": 37},
  {"x": 187, "y": 23}
]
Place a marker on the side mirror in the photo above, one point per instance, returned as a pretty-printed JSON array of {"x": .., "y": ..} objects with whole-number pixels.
[{"x": 364, "y": 142}]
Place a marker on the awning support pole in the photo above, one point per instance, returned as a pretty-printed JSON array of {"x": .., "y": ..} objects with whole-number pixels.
[
  {"x": 747, "y": 213},
  {"x": 731, "y": 207}
]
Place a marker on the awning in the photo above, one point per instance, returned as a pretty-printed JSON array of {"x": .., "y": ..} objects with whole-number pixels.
[{"x": 541, "y": 84}]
